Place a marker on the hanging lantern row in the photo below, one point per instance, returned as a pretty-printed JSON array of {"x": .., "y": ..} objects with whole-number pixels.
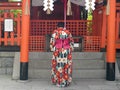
[
  {"x": 90, "y": 5},
  {"x": 48, "y": 6}
]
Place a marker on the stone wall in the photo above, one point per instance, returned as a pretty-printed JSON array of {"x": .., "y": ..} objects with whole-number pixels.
[{"x": 6, "y": 63}]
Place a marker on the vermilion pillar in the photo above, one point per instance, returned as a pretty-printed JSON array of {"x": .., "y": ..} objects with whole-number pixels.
[
  {"x": 25, "y": 40},
  {"x": 110, "y": 71}
]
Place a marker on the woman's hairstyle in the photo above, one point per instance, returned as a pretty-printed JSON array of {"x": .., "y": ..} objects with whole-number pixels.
[{"x": 60, "y": 24}]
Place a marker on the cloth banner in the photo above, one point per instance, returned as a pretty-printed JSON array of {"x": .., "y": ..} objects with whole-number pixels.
[{"x": 40, "y": 2}]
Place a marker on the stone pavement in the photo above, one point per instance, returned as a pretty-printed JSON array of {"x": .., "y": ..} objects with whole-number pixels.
[{"x": 6, "y": 83}]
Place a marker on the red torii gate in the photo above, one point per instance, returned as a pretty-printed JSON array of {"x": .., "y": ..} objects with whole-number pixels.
[
  {"x": 110, "y": 71},
  {"x": 25, "y": 40},
  {"x": 108, "y": 28}
]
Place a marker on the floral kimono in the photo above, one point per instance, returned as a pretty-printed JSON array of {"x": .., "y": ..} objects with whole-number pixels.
[{"x": 61, "y": 44}]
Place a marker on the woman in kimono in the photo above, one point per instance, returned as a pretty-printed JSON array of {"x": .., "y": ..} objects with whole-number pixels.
[{"x": 61, "y": 44}]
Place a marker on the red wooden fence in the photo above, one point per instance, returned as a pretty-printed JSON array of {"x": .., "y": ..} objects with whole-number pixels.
[
  {"x": 41, "y": 28},
  {"x": 10, "y": 38}
]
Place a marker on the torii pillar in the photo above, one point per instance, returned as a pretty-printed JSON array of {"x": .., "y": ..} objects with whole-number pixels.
[
  {"x": 24, "y": 54},
  {"x": 111, "y": 50}
]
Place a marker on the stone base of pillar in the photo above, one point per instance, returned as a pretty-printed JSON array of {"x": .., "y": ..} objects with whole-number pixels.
[
  {"x": 110, "y": 71},
  {"x": 23, "y": 70}
]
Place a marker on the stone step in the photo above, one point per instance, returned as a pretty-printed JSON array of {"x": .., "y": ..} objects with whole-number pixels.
[
  {"x": 7, "y": 54},
  {"x": 77, "y": 64},
  {"x": 76, "y": 55},
  {"x": 6, "y": 62},
  {"x": 78, "y": 74},
  {"x": 6, "y": 71},
  {"x": 88, "y": 64},
  {"x": 85, "y": 65}
]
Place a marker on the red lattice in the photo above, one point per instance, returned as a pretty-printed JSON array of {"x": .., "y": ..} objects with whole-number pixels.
[
  {"x": 91, "y": 43},
  {"x": 41, "y": 28},
  {"x": 44, "y": 27},
  {"x": 37, "y": 43}
]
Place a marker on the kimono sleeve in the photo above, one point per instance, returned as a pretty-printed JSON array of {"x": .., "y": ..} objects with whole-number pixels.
[
  {"x": 52, "y": 42},
  {"x": 71, "y": 42}
]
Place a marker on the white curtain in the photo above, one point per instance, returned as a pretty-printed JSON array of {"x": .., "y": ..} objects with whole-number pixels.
[
  {"x": 37, "y": 2},
  {"x": 40, "y": 2},
  {"x": 78, "y": 2}
]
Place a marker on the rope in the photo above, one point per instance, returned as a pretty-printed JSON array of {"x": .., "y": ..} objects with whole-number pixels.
[
  {"x": 108, "y": 8},
  {"x": 27, "y": 8},
  {"x": 65, "y": 4}
]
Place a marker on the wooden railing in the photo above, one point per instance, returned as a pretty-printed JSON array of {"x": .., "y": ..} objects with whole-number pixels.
[{"x": 10, "y": 38}]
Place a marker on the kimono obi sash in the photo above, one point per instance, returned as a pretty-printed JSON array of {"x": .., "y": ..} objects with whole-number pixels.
[{"x": 62, "y": 43}]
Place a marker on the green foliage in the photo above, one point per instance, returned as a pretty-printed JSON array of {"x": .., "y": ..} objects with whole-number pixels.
[
  {"x": 89, "y": 15},
  {"x": 16, "y": 12},
  {"x": 89, "y": 24},
  {"x": 1, "y": 11}
]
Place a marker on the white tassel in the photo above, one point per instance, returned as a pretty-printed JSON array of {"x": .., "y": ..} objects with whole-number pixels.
[
  {"x": 27, "y": 8},
  {"x": 69, "y": 10},
  {"x": 108, "y": 8}
]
